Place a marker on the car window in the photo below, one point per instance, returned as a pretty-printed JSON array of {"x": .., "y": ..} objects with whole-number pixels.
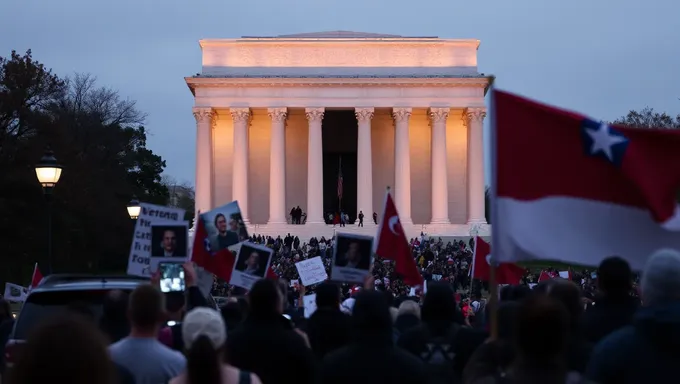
[{"x": 42, "y": 305}]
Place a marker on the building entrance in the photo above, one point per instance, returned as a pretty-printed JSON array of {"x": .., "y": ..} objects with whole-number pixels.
[{"x": 340, "y": 137}]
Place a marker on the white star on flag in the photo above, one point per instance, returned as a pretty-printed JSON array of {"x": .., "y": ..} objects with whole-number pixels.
[{"x": 603, "y": 141}]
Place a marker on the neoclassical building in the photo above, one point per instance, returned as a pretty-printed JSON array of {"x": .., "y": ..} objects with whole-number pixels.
[{"x": 280, "y": 119}]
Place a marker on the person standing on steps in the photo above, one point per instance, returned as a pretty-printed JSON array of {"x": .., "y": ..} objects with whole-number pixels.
[{"x": 361, "y": 218}]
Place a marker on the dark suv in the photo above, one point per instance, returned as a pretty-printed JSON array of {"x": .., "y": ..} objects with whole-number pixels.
[{"x": 55, "y": 293}]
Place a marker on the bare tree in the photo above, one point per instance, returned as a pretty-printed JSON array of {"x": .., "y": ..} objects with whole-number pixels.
[
  {"x": 84, "y": 98},
  {"x": 648, "y": 118}
]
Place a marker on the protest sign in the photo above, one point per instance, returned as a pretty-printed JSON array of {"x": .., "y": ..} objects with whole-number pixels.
[
  {"x": 352, "y": 257},
  {"x": 141, "y": 263},
  {"x": 225, "y": 227},
  {"x": 251, "y": 265},
  {"x": 15, "y": 293},
  {"x": 309, "y": 302},
  {"x": 311, "y": 271}
]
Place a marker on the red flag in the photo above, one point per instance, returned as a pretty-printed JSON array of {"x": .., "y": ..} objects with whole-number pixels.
[
  {"x": 393, "y": 245},
  {"x": 506, "y": 273},
  {"x": 544, "y": 276},
  {"x": 37, "y": 277},
  {"x": 219, "y": 263}
]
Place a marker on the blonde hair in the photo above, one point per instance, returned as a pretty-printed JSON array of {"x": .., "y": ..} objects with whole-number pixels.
[{"x": 409, "y": 307}]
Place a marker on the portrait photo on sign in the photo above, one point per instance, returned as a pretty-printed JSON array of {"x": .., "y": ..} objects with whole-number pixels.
[
  {"x": 225, "y": 226},
  {"x": 252, "y": 263},
  {"x": 352, "y": 257},
  {"x": 169, "y": 241}
]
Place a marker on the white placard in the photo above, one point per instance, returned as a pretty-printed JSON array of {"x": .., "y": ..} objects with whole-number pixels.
[
  {"x": 309, "y": 302},
  {"x": 251, "y": 264},
  {"x": 205, "y": 280},
  {"x": 140, "y": 262},
  {"x": 311, "y": 271},
  {"x": 352, "y": 257},
  {"x": 15, "y": 293}
]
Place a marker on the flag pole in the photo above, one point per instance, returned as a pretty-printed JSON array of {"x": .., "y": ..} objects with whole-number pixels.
[{"x": 493, "y": 283}]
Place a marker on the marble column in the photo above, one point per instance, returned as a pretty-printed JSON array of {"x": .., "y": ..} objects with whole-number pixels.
[
  {"x": 315, "y": 166},
  {"x": 277, "y": 166},
  {"x": 440, "y": 192},
  {"x": 474, "y": 120},
  {"x": 402, "y": 164},
  {"x": 239, "y": 184},
  {"x": 205, "y": 119},
  {"x": 364, "y": 163}
]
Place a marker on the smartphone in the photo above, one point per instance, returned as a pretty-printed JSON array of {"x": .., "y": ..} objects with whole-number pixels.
[{"x": 172, "y": 277}]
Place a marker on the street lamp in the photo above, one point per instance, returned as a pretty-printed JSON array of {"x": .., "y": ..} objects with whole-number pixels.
[
  {"x": 134, "y": 208},
  {"x": 48, "y": 172}
]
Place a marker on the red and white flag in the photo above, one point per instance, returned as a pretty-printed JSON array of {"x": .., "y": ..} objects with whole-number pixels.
[
  {"x": 37, "y": 277},
  {"x": 545, "y": 275},
  {"x": 580, "y": 190},
  {"x": 506, "y": 273},
  {"x": 392, "y": 244}
]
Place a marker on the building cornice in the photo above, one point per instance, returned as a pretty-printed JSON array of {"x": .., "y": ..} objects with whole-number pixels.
[
  {"x": 391, "y": 82},
  {"x": 327, "y": 41}
]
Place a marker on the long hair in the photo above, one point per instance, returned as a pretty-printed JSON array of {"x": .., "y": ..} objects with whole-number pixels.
[{"x": 203, "y": 366}]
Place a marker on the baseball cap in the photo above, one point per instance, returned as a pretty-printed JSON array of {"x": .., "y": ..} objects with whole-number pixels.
[{"x": 203, "y": 321}]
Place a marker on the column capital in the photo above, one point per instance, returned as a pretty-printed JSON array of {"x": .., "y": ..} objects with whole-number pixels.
[
  {"x": 474, "y": 114},
  {"x": 314, "y": 114},
  {"x": 438, "y": 115},
  {"x": 240, "y": 114},
  {"x": 204, "y": 115},
  {"x": 364, "y": 114},
  {"x": 401, "y": 114},
  {"x": 278, "y": 114}
]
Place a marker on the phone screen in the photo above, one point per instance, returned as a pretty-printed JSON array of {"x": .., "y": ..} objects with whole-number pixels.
[{"x": 172, "y": 277}]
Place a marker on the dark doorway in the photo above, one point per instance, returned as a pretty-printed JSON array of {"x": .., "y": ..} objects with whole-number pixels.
[{"x": 340, "y": 150}]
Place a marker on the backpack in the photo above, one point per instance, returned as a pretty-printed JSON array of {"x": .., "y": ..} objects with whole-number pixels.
[{"x": 439, "y": 356}]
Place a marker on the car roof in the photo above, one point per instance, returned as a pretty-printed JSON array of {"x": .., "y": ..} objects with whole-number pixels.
[{"x": 70, "y": 282}]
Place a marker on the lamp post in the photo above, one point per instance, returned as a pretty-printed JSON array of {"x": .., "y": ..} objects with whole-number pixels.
[
  {"x": 134, "y": 208},
  {"x": 48, "y": 172}
]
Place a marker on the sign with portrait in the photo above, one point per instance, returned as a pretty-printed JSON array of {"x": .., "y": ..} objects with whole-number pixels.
[
  {"x": 169, "y": 241},
  {"x": 225, "y": 227},
  {"x": 140, "y": 262},
  {"x": 251, "y": 264},
  {"x": 352, "y": 257}
]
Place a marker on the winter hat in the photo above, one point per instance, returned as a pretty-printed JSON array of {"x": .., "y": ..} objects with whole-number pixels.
[{"x": 203, "y": 321}]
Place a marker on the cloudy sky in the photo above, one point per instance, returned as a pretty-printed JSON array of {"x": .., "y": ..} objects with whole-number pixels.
[{"x": 601, "y": 57}]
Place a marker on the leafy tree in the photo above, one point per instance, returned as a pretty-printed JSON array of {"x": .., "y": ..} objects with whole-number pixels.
[{"x": 99, "y": 139}]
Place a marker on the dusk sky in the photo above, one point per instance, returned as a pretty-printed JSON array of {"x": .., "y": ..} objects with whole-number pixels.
[{"x": 601, "y": 58}]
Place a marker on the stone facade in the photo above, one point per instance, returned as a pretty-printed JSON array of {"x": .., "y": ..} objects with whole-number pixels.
[{"x": 419, "y": 104}]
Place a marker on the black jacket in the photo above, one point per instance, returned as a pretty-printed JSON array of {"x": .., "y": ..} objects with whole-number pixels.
[
  {"x": 328, "y": 329},
  {"x": 269, "y": 347},
  {"x": 607, "y": 316}
]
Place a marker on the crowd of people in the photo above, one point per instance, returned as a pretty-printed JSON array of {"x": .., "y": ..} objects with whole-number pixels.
[{"x": 551, "y": 333}]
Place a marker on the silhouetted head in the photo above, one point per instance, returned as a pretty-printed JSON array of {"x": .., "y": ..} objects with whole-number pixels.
[
  {"x": 614, "y": 277},
  {"x": 371, "y": 317},
  {"x": 265, "y": 298},
  {"x": 328, "y": 295},
  {"x": 542, "y": 329}
]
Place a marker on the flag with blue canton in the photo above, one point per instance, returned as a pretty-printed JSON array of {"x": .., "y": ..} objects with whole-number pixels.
[{"x": 601, "y": 140}]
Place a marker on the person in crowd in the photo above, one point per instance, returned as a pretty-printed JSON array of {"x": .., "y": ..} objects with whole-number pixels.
[
  {"x": 494, "y": 357},
  {"x": 647, "y": 351},
  {"x": 541, "y": 336},
  {"x": 442, "y": 344},
  {"x": 205, "y": 335},
  {"x": 614, "y": 307},
  {"x": 6, "y": 325},
  {"x": 328, "y": 328},
  {"x": 578, "y": 348},
  {"x": 64, "y": 349},
  {"x": 177, "y": 304},
  {"x": 408, "y": 316},
  {"x": 141, "y": 353},
  {"x": 267, "y": 344},
  {"x": 114, "y": 322},
  {"x": 232, "y": 314},
  {"x": 371, "y": 357}
]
